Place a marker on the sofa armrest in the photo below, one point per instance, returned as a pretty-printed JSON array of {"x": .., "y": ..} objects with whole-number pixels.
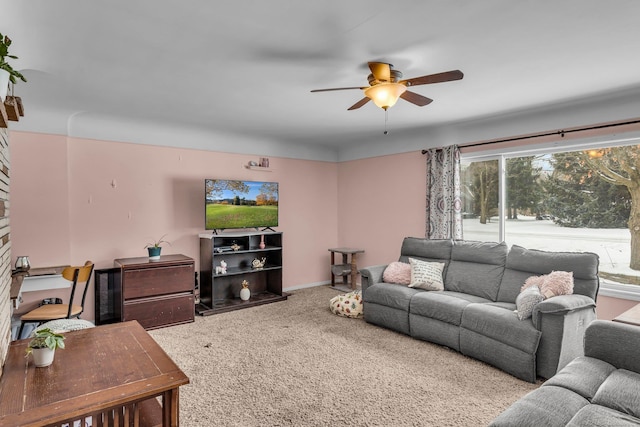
[
  {"x": 371, "y": 275},
  {"x": 560, "y": 305},
  {"x": 613, "y": 342}
]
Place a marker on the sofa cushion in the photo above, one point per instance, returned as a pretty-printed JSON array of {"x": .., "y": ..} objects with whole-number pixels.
[
  {"x": 620, "y": 392},
  {"x": 501, "y": 325},
  {"x": 476, "y": 268},
  {"x": 390, "y": 295},
  {"x": 526, "y": 302},
  {"x": 583, "y": 375},
  {"x": 557, "y": 283},
  {"x": 523, "y": 263},
  {"x": 546, "y": 406},
  {"x": 426, "y": 275},
  {"x": 429, "y": 250},
  {"x": 444, "y": 306},
  {"x": 598, "y": 416},
  {"x": 397, "y": 272}
]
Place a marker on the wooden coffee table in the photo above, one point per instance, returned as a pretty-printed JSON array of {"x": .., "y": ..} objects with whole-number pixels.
[
  {"x": 111, "y": 374},
  {"x": 631, "y": 316}
]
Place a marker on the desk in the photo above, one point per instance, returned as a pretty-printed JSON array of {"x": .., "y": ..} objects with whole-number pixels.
[
  {"x": 346, "y": 268},
  {"x": 36, "y": 279},
  {"x": 631, "y": 316},
  {"x": 111, "y": 373}
]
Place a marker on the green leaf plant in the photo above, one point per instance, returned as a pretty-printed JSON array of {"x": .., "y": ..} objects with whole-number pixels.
[
  {"x": 45, "y": 338},
  {"x": 157, "y": 243},
  {"x": 14, "y": 75}
]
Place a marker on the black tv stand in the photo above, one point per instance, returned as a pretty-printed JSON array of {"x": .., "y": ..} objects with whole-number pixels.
[
  {"x": 220, "y": 292},
  {"x": 268, "y": 229}
]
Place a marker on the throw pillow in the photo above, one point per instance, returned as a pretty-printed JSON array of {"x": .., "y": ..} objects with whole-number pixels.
[
  {"x": 426, "y": 275},
  {"x": 347, "y": 305},
  {"x": 557, "y": 283},
  {"x": 397, "y": 272},
  {"x": 526, "y": 302},
  {"x": 533, "y": 281}
]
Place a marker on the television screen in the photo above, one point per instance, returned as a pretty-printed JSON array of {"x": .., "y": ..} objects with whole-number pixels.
[{"x": 240, "y": 204}]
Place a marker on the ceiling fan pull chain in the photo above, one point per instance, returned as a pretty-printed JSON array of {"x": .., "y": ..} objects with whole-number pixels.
[{"x": 386, "y": 116}]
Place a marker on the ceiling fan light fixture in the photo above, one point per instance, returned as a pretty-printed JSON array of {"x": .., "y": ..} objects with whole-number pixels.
[{"x": 385, "y": 95}]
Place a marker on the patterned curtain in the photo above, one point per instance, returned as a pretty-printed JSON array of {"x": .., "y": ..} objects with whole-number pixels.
[{"x": 444, "y": 204}]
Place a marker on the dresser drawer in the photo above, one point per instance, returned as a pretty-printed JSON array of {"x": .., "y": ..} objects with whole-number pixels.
[
  {"x": 161, "y": 311},
  {"x": 146, "y": 282}
]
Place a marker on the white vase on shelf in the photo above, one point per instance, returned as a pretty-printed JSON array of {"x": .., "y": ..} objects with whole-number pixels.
[{"x": 245, "y": 293}]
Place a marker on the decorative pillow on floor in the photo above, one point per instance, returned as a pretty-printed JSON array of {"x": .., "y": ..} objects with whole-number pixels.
[
  {"x": 557, "y": 283},
  {"x": 526, "y": 302},
  {"x": 347, "y": 305},
  {"x": 426, "y": 275},
  {"x": 397, "y": 272}
]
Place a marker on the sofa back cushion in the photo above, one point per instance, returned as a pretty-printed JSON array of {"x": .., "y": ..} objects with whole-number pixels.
[
  {"x": 417, "y": 247},
  {"x": 523, "y": 263},
  {"x": 426, "y": 250},
  {"x": 476, "y": 268}
]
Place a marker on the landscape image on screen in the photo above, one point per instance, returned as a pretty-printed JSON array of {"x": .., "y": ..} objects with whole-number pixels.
[{"x": 240, "y": 204}]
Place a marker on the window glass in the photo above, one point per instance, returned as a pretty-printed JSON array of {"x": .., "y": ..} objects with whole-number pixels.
[
  {"x": 572, "y": 201},
  {"x": 480, "y": 220}
]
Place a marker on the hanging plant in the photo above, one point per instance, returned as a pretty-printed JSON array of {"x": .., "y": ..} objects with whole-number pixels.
[{"x": 14, "y": 75}]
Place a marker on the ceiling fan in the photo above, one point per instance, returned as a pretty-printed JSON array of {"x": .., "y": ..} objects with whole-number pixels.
[{"x": 386, "y": 86}]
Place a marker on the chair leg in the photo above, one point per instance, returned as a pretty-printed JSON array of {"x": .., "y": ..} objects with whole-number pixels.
[{"x": 20, "y": 331}]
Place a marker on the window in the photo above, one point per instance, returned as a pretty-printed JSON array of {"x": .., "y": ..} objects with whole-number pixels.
[{"x": 579, "y": 200}]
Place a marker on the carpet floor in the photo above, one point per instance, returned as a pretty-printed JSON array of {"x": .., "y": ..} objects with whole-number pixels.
[{"x": 294, "y": 363}]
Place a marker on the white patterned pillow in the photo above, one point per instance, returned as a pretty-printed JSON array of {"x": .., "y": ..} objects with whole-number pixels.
[
  {"x": 426, "y": 275},
  {"x": 526, "y": 302}
]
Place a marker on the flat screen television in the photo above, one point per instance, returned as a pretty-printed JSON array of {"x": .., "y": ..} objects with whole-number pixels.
[{"x": 233, "y": 204}]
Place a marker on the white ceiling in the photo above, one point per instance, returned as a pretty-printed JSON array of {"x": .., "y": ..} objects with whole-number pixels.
[{"x": 244, "y": 69}]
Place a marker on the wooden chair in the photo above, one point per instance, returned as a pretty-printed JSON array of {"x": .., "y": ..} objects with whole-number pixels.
[{"x": 49, "y": 312}]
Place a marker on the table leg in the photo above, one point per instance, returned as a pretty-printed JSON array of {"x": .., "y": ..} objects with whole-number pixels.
[
  {"x": 333, "y": 276},
  {"x": 170, "y": 408},
  {"x": 345, "y": 280},
  {"x": 354, "y": 271}
]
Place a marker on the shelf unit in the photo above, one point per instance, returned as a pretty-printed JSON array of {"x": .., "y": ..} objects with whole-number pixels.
[{"x": 220, "y": 292}]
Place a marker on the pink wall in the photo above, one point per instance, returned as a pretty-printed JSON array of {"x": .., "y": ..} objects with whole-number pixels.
[
  {"x": 75, "y": 199},
  {"x": 381, "y": 201}
]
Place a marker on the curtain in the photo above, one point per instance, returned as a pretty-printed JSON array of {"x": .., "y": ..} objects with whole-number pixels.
[{"x": 444, "y": 203}]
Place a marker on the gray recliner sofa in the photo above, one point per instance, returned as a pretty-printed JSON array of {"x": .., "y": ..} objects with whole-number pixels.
[
  {"x": 475, "y": 313},
  {"x": 597, "y": 389}
]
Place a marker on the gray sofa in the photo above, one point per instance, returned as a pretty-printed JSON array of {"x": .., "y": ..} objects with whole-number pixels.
[
  {"x": 597, "y": 389},
  {"x": 475, "y": 313}
]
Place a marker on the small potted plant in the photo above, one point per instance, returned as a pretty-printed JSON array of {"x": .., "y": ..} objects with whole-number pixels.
[
  {"x": 155, "y": 247},
  {"x": 7, "y": 73},
  {"x": 43, "y": 346}
]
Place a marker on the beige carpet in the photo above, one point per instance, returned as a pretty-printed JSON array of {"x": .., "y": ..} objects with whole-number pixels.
[{"x": 294, "y": 363}]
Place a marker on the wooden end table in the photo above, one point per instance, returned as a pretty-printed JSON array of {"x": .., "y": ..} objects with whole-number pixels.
[
  {"x": 111, "y": 374},
  {"x": 631, "y": 316}
]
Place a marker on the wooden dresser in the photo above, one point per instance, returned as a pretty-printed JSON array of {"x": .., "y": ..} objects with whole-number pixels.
[{"x": 155, "y": 293}]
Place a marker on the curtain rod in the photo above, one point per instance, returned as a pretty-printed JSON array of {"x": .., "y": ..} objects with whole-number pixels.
[{"x": 551, "y": 133}]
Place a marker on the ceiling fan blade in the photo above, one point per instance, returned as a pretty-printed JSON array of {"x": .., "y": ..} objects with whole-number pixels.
[
  {"x": 447, "y": 76},
  {"x": 416, "y": 99},
  {"x": 338, "y": 88},
  {"x": 381, "y": 71},
  {"x": 359, "y": 104}
]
